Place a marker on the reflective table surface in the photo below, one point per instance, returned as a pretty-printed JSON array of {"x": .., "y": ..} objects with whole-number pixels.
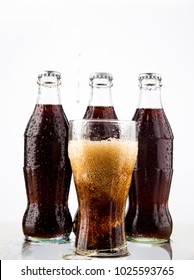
[{"x": 14, "y": 247}]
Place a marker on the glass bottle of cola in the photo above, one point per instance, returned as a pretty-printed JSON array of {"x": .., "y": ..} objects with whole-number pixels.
[
  {"x": 47, "y": 169},
  {"x": 148, "y": 218},
  {"x": 100, "y": 105}
]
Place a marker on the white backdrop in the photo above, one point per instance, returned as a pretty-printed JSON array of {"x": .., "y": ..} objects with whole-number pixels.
[{"x": 124, "y": 37}]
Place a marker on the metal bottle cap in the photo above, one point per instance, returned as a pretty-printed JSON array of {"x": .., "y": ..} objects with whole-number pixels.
[
  {"x": 49, "y": 78},
  {"x": 102, "y": 78},
  {"x": 150, "y": 79}
]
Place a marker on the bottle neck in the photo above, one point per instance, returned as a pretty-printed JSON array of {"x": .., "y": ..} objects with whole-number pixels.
[
  {"x": 101, "y": 96},
  {"x": 49, "y": 95},
  {"x": 150, "y": 98}
]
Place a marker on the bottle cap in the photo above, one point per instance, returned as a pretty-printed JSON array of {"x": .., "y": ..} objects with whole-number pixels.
[
  {"x": 155, "y": 80},
  {"x": 102, "y": 79},
  {"x": 49, "y": 78}
]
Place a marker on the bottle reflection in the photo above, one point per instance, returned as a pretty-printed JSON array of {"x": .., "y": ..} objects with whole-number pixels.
[
  {"x": 168, "y": 248},
  {"x": 137, "y": 251},
  {"x": 45, "y": 251},
  {"x": 140, "y": 251}
]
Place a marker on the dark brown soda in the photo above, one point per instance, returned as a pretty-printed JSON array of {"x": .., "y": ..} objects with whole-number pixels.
[
  {"x": 47, "y": 173},
  {"x": 100, "y": 112},
  {"x": 148, "y": 214},
  {"x": 96, "y": 112}
]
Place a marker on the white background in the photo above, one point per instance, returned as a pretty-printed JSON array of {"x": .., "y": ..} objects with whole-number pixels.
[{"x": 124, "y": 37}]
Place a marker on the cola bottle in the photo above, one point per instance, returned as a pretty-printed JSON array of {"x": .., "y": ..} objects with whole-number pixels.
[
  {"x": 148, "y": 218},
  {"x": 100, "y": 106},
  {"x": 47, "y": 169}
]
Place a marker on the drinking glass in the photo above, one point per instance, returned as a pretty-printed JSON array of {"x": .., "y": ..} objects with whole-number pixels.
[{"x": 102, "y": 155}]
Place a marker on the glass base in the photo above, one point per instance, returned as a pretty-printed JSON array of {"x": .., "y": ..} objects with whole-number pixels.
[
  {"x": 146, "y": 240},
  {"x": 114, "y": 252},
  {"x": 59, "y": 239}
]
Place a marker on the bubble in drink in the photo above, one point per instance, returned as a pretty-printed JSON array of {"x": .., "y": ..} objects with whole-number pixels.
[{"x": 102, "y": 173}]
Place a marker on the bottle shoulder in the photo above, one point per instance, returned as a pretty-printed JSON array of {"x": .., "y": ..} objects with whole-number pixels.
[
  {"x": 153, "y": 123},
  {"x": 100, "y": 112},
  {"x": 47, "y": 119}
]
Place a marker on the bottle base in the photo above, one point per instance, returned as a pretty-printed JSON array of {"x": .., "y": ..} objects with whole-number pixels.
[
  {"x": 103, "y": 253},
  {"x": 59, "y": 239},
  {"x": 146, "y": 240}
]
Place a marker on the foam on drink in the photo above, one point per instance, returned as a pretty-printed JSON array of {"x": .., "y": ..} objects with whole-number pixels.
[{"x": 97, "y": 162}]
